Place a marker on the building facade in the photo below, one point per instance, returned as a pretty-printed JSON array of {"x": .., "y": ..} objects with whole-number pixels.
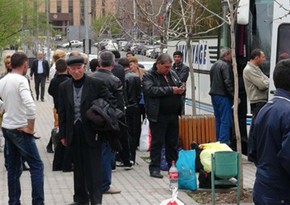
[{"x": 64, "y": 13}]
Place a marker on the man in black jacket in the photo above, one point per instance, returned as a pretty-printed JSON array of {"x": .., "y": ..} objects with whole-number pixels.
[
  {"x": 75, "y": 98},
  {"x": 115, "y": 86},
  {"x": 40, "y": 70},
  {"x": 132, "y": 93},
  {"x": 222, "y": 93},
  {"x": 182, "y": 72},
  {"x": 162, "y": 90},
  {"x": 63, "y": 156}
]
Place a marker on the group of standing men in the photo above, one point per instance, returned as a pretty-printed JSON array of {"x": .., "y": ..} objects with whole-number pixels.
[
  {"x": 89, "y": 137},
  {"x": 269, "y": 137}
]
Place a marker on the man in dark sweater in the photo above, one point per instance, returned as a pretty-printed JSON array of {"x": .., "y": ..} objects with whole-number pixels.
[{"x": 62, "y": 157}]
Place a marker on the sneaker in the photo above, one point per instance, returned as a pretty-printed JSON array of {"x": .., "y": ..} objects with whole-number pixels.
[
  {"x": 119, "y": 164},
  {"x": 113, "y": 190},
  {"x": 128, "y": 167}
]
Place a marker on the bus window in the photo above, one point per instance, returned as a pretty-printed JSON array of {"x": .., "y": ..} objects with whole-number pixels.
[{"x": 283, "y": 42}]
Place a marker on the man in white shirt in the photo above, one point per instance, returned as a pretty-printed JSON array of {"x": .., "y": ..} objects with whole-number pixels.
[{"x": 18, "y": 131}]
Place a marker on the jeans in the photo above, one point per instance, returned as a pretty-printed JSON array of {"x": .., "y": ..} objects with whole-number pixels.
[
  {"x": 20, "y": 145},
  {"x": 222, "y": 106},
  {"x": 108, "y": 156},
  {"x": 164, "y": 131}
]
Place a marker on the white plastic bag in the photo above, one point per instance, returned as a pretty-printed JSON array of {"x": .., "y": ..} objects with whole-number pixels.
[
  {"x": 145, "y": 137},
  {"x": 174, "y": 200}
]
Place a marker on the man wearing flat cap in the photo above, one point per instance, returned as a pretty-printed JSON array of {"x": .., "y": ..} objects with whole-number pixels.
[{"x": 75, "y": 98}]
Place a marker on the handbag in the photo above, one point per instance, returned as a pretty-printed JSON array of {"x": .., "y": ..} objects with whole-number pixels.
[
  {"x": 145, "y": 136},
  {"x": 186, "y": 170}
]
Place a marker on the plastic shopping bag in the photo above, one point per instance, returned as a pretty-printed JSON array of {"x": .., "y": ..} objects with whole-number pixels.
[
  {"x": 174, "y": 200},
  {"x": 208, "y": 149},
  {"x": 145, "y": 137},
  {"x": 186, "y": 170}
]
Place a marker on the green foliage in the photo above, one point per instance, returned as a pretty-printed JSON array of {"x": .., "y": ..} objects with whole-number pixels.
[
  {"x": 106, "y": 25},
  {"x": 10, "y": 21},
  {"x": 17, "y": 18}
]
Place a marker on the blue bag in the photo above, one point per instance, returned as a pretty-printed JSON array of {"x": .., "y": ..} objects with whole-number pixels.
[
  {"x": 163, "y": 164},
  {"x": 186, "y": 170}
]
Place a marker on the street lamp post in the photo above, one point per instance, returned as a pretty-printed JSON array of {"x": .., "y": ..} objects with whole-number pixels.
[
  {"x": 86, "y": 18},
  {"x": 47, "y": 32}
]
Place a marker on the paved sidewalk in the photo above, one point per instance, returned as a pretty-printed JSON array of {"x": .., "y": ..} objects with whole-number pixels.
[{"x": 136, "y": 185}]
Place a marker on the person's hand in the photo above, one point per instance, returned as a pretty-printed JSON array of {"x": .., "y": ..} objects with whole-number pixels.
[
  {"x": 178, "y": 90},
  {"x": 63, "y": 142},
  {"x": 27, "y": 130}
]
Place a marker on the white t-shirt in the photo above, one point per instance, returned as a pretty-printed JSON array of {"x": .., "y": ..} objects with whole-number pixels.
[{"x": 17, "y": 101}]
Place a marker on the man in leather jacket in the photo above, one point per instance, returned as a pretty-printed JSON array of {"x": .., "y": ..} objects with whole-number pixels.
[
  {"x": 132, "y": 93},
  {"x": 222, "y": 93},
  {"x": 114, "y": 84},
  {"x": 162, "y": 90},
  {"x": 182, "y": 71}
]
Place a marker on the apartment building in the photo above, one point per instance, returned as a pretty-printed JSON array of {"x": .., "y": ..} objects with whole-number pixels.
[{"x": 63, "y": 13}]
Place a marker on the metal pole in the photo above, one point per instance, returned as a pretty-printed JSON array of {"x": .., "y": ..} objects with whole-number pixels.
[
  {"x": 47, "y": 32},
  {"x": 134, "y": 20},
  {"x": 152, "y": 21},
  {"x": 86, "y": 17}
]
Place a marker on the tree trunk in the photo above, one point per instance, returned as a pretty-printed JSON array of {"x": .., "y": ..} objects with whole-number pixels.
[
  {"x": 236, "y": 89},
  {"x": 189, "y": 57}
]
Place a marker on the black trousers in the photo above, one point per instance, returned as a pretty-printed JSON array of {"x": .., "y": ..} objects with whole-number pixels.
[
  {"x": 164, "y": 131},
  {"x": 87, "y": 168},
  {"x": 125, "y": 154},
  {"x": 62, "y": 159},
  {"x": 39, "y": 80},
  {"x": 255, "y": 108},
  {"x": 133, "y": 117}
]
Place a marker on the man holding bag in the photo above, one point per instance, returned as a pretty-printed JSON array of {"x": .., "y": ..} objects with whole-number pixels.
[{"x": 163, "y": 91}]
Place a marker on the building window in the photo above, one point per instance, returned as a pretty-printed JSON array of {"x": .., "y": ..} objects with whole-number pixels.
[
  {"x": 58, "y": 6},
  {"x": 103, "y": 7},
  {"x": 70, "y": 11},
  {"x": 93, "y": 8},
  {"x": 82, "y": 8}
]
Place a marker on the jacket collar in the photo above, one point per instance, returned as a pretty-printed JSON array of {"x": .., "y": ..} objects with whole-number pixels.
[{"x": 282, "y": 93}]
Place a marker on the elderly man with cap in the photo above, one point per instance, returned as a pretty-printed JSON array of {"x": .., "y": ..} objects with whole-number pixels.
[{"x": 75, "y": 98}]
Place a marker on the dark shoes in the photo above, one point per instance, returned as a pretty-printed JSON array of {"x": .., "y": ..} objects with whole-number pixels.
[
  {"x": 49, "y": 148},
  {"x": 25, "y": 168},
  {"x": 77, "y": 203},
  {"x": 156, "y": 174}
]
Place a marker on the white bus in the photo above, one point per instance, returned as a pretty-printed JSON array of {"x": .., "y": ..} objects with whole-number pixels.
[{"x": 265, "y": 25}]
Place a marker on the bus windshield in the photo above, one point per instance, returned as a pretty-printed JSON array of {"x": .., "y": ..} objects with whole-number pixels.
[
  {"x": 283, "y": 44},
  {"x": 260, "y": 27}
]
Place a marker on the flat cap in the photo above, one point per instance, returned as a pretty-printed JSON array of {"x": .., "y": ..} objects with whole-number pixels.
[{"x": 75, "y": 60}]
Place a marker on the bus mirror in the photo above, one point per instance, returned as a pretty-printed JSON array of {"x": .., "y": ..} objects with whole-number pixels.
[{"x": 243, "y": 12}]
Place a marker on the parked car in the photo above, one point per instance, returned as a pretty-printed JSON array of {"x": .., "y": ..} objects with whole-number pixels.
[
  {"x": 108, "y": 44},
  {"x": 74, "y": 43},
  {"x": 147, "y": 64},
  {"x": 58, "y": 37},
  {"x": 144, "y": 49},
  {"x": 122, "y": 45},
  {"x": 149, "y": 51}
]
